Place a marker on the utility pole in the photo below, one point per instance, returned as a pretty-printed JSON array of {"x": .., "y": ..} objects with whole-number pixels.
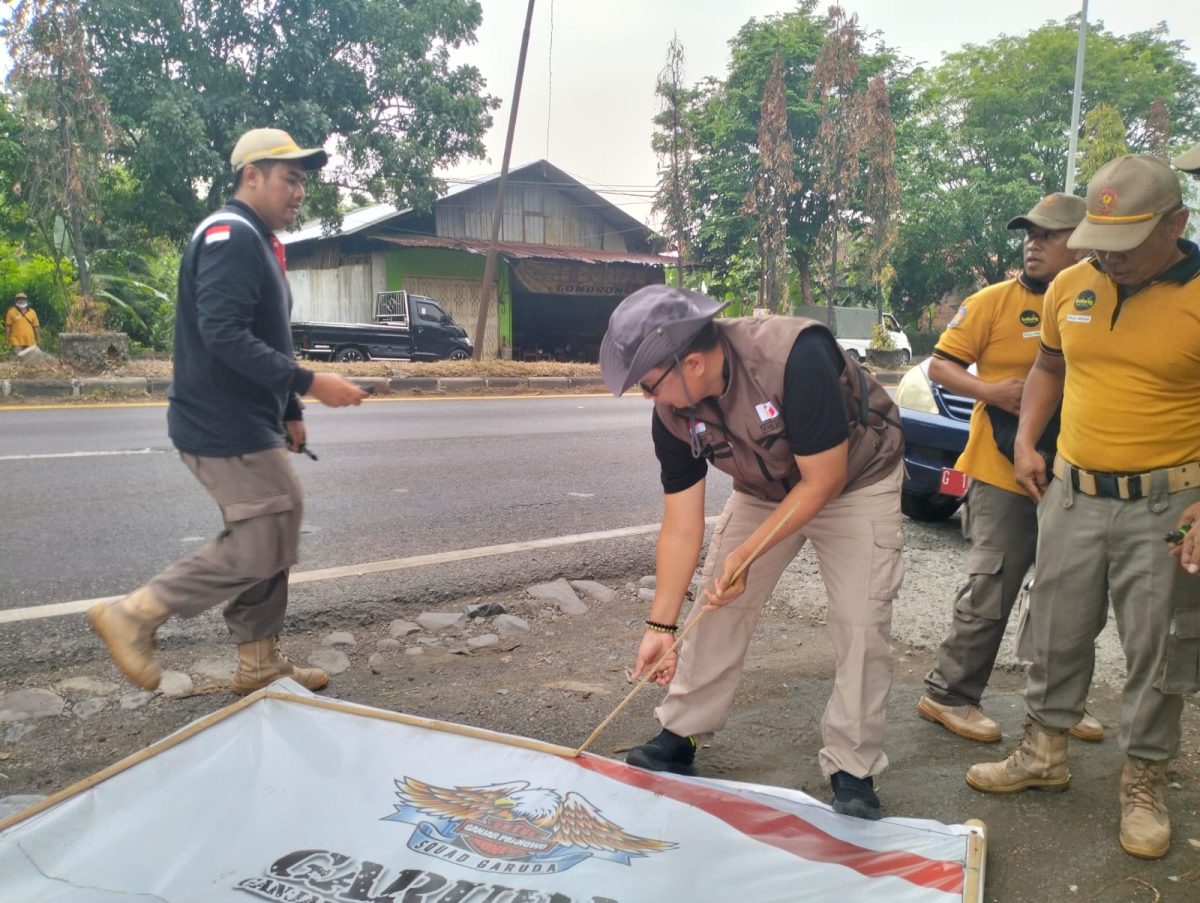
[
  {"x": 1073, "y": 138},
  {"x": 489, "y": 270}
]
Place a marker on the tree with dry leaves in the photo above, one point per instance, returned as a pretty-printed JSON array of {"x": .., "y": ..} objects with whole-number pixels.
[
  {"x": 66, "y": 129},
  {"x": 881, "y": 194},
  {"x": 672, "y": 143}
]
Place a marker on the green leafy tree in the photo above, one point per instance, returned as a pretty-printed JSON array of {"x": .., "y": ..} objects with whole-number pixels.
[
  {"x": 726, "y": 116},
  {"x": 989, "y": 137},
  {"x": 1103, "y": 140},
  {"x": 371, "y": 79}
]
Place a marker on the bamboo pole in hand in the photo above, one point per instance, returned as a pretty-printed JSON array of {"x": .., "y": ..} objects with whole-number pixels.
[{"x": 737, "y": 575}]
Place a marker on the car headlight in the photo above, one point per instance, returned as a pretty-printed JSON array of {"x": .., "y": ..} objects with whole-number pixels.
[{"x": 915, "y": 393}]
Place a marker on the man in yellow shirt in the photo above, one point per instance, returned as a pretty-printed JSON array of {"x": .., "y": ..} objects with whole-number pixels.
[
  {"x": 21, "y": 327},
  {"x": 997, "y": 330},
  {"x": 1118, "y": 347}
]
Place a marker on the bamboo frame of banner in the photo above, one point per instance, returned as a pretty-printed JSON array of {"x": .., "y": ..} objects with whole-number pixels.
[{"x": 686, "y": 630}]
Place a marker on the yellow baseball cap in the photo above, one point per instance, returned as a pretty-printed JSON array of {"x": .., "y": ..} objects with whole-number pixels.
[
  {"x": 274, "y": 144},
  {"x": 1126, "y": 198}
]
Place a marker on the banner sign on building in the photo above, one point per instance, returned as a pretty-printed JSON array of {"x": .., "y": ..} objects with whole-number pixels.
[
  {"x": 289, "y": 797},
  {"x": 574, "y": 277}
]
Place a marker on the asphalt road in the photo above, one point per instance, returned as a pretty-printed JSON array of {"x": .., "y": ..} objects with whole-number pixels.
[{"x": 97, "y": 501}]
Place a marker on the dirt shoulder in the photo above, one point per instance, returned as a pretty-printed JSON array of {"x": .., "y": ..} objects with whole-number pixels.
[{"x": 557, "y": 680}]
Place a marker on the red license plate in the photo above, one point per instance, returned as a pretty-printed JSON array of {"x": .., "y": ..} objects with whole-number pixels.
[{"x": 954, "y": 482}]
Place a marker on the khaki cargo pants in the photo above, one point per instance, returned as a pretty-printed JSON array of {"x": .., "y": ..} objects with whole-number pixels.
[
  {"x": 1092, "y": 550},
  {"x": 1002, "y": 527},
  {"x": 857, "y": 541},
  {"x": 246, "y": 565}
]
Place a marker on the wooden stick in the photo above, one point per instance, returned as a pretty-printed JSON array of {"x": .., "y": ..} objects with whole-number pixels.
[{"x": 686, "y": 629}]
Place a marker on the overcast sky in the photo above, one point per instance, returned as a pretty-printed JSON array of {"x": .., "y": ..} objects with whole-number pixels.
[{"x": 588, "y": 97}]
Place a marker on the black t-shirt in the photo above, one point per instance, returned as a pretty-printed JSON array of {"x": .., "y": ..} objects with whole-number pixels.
[{"x": 814, "y": 412}]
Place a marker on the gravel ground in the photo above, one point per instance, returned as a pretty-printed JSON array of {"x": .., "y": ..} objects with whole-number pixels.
[{"x": 562, "y": 676}]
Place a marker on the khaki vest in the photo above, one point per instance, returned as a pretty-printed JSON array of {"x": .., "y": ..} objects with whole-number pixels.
[{"x": 743, "y": 432}]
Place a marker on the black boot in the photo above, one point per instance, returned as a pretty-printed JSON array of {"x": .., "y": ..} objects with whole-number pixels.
[
  {"x": 666, "y": 752},
  {"x": 854, "y": 796}
]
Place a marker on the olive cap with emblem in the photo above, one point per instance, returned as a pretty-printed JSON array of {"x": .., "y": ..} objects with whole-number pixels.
[
  {"x": 1055, "y": 212},
  {"x": 1126, "y": 199},
  {"x": 648, "y": 328},
  {"x": 1188, "y": 161},
  {"x": 274, "y": 144}
]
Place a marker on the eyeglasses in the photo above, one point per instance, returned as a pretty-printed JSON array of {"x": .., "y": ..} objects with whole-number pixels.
[{"x": 651, "y": 389}]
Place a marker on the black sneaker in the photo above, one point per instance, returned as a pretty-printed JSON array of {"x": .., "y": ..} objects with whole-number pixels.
[
  {"x": 854, "y": 796},
  {"x": 666, "y": 752}
]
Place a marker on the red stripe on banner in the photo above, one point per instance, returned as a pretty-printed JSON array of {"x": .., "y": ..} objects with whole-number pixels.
[{"x": 787, "y": 832}]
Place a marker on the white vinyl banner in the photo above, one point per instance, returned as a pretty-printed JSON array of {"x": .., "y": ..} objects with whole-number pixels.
[{"x": 307, "y": 800}]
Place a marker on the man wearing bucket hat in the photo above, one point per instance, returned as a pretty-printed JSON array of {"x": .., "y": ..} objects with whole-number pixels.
[
  {"x": 814, "y": 448},
  {"x": 1119, "y": 340},
  {"x": 1189, "y": 161},
  {"x": 997, "y": 330},
  {"x": 234, "y": 413}
]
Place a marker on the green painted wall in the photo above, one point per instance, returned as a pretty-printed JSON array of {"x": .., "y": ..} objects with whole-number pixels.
[{"x": 449, "y": 264}]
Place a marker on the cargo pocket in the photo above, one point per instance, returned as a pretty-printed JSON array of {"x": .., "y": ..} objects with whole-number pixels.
[
  {"x": 1181, "y": 661},
  {"x": 983, "y": 596},
  {"x": 887, "y": 561},
  {"x": 715, "y": 543},
  {"x": 268, "y": 504}
]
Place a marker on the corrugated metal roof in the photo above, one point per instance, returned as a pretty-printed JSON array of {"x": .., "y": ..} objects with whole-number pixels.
[
  {"x": 354, "y": 221},
  {"x": 521, "y": 249}
]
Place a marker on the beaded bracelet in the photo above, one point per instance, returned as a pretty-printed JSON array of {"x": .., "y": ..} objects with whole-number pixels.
[{"x": 660, "y": 628}]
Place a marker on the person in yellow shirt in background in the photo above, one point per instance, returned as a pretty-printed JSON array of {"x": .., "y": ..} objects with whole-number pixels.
[
  {"x": 997, "y": 330},
  {"x": 1118, "y": 347},
  {"x": 21, "y": 327}
]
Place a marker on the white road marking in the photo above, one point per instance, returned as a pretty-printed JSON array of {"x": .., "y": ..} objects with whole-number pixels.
[
  {"x": 86, "y": 454},
  {"x": 582, "y": 495},
  {"x": 37, "y": 612}
]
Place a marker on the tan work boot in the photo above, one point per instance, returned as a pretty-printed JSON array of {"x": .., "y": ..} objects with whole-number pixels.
[
  {"x": 262, "y": 661},
  {"x": 1088, "y": 728},
  {"x": 127, "y": 627},
  {"x": 965, "y": 720},
  {"x": 1145, "y": 827},
  {"x": 1039, "y": 763}
]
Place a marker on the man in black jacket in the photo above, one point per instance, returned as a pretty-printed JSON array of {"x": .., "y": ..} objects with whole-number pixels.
[{"x": 234, "y": 415}]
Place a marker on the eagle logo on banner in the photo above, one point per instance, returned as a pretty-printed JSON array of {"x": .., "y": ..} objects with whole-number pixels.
[{"x": 495, "y": 827}]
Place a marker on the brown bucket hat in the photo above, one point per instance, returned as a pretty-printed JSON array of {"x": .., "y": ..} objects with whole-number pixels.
[
  {"x": 648, "y": 328},
  {"x": 1055, "y": 212},
  {"x": 1126, "y": 199}
]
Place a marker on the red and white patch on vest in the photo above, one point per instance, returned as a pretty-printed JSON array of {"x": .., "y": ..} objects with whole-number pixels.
[
  {"x": 766, "y": 411},
  {"x": 217, "y": 233}
]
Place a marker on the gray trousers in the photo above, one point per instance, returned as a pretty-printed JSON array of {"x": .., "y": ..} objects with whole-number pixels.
[
  {"x": 1093, "y": 550},
  {"x": 246, "y": 564},
  {"x": 1002, "y": 527},
  {"x": 857, "y": 540}
]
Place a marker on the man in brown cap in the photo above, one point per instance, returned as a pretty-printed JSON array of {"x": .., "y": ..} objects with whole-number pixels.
[
  {"x": 814, "y": 448},
  {"x": 997, "y": 330},
  {"x": 234, "y": 414},
  {"x": 21, "y": 326},
  {"x": 1118, "y": 347}
]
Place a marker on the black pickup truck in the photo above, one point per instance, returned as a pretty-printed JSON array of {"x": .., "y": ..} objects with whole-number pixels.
[{"x": 406, "y": 328}]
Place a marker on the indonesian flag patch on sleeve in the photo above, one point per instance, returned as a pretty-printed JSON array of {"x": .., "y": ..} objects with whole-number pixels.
[
  {"x": 217, "y": 233},
  {"x": 766, "y": 411}
]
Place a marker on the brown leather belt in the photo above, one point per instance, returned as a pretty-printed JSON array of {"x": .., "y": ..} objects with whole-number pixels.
[{"x": 1128, "y": 486}]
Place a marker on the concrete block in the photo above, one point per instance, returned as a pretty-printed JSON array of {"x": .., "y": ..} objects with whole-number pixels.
[
  {"x": 157, "y": 385},
  {"x": 409, "y": 383},
  {"x": 375, "y": 383},
  {"x": 126, "y": 385},
  {"x": 506, "y": 382},
  {"x": 586, "y": 382},
  {"x": 456, "y": 383},
  {"x": 43, "y": 388},
  {"x": 549, "y": 382}
]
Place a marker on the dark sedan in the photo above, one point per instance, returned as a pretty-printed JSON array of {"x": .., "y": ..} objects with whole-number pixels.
[{"x": 935, "y": 433}]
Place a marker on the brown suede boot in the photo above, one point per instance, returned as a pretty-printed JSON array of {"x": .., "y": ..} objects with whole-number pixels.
[
  {"x": 127, "y": 627},
  {"x": 262, "y": 661},
  {"x": 1145, "y": 827},
  {"x": 1039, "y": 763}
]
